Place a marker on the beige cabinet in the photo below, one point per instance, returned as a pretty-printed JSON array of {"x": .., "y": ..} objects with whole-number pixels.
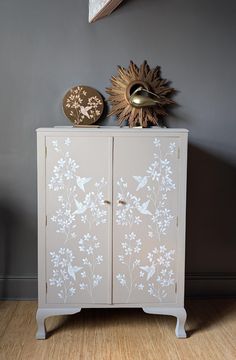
[{"x": 111, "y": 220}]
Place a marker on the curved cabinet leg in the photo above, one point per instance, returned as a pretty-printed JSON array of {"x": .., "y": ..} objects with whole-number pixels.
[
  {"x": 42, "y": 314},
  {"x": 181, "y": 319},
  {"x": 179, "y": 313},
  {"x": 40, "y": 318}
]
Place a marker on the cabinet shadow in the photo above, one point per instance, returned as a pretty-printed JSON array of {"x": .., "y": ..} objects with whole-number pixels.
[{"x": 210, "y": 225}]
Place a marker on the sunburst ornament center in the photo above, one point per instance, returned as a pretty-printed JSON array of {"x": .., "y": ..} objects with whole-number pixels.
[{"x": 139, "y": 95}]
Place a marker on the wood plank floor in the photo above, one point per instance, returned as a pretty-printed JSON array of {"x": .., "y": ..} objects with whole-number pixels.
[{"x": 119, "y": 334}]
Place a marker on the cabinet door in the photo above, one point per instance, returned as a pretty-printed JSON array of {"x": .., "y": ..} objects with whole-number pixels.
[
  {"x": 145, "y": 219},
  {"x": 78, "y": 209}
]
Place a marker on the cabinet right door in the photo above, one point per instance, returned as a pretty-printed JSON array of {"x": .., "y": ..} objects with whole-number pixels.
[{"x": 145, "y": 221}]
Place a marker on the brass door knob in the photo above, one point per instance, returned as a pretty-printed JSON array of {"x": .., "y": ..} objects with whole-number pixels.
[{"x": 122, "y": 202}]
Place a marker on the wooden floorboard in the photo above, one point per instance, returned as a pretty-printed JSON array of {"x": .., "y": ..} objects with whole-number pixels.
[{"x": 119, "y": 334}]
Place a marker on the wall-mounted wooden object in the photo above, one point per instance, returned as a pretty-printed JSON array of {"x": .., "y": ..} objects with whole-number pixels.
[{"x": 101, "y": 8}]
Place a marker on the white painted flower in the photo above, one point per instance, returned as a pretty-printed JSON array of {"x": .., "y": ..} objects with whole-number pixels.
[
  {"x": 84, "y": 218},
  {"x": 137, "y": 249},
  {"x": 83, "y": 274},
  {"x": 99, "y": 259},
  {"x": 86, "y": 261},
  {"x": 121, "y": 278},
  {"x": 139, "y": 286},
  {"x": 89, "y": 250},
  {"x": 154, "y": 171},
  {"x": 128, "y": 251},
  {"x": 156, "y": 142},
  {"x": 150, "y": 290},
  {"x": 69, "y": 175},
  {"x": 162, "y": 249},
  {"x": 136, "y": 262},
  {"x": 137, "y": 220},
  {"x": 161, "y": 260},
  {"x": 67, "y": 141},
  {"x": 150, "y": 257},
  {"x": 61, "y": 164},
  {"x": 172, "y": 147},
  {"x": 141, "y": 273},
  {"x": 96, "y": 280},
  {"x": 83, "y": 286},
  {"x": 55, "y": 145},
  {"x": 72, "y": 291}
]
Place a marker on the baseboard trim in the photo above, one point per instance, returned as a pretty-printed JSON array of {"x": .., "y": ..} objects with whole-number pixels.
[
  {"x": 196, "y": 285},
  {"x": 19, "y": 287},
  {"x": 210, "y": 284}
]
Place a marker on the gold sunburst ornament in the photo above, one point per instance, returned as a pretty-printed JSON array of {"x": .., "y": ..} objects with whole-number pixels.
[{"x": 139, "y": 95}]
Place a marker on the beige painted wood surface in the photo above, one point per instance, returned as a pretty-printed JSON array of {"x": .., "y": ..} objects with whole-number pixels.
[
  {"x": 115, "y": 334},
  {"x": 78, "y": 196},
  {"x": 78, "y": 210},
  {"x": 145, "y": 232}
]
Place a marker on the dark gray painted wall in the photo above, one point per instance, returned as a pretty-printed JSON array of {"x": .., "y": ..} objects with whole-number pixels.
[{"x": 48, "y": 46}]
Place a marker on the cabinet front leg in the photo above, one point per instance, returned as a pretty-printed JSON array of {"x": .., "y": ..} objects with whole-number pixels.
[
  {"x": 179, "y": 313},
  {"x": 42, "y": 314},
  {"x": 40, "y": 318},
  {"x": 181, "y": 319}
]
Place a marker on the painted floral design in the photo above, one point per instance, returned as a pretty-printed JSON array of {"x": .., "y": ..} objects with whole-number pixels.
[
  {"x": 154, "y": 185},
  {"x": 79, "y": 106},
  {"x": 73, "y": 200},
  {"x": 91, "y": 210},
  {"x": 75, "y": 203},
  {"x": 90, "y": 279},
  {"x": 130, "y": 213},
  {"x": 64, "y": 273},
  {"x": 158, "y": 272},
  {"x": 129, "y": 258}
]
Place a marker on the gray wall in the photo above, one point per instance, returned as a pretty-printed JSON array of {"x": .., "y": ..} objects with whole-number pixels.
[{"x": 48, "y": 46}]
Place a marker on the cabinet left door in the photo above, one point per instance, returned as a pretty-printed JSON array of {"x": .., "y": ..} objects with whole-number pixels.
[{"x": 78, "y": 219}]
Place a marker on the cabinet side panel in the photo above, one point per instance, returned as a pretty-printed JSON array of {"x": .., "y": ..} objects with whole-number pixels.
[
  {"x": 146, "y": 188},
  {"x": 78, "y": 209},
  {"x": 182, "y": 217},
  {"x": 41, "y": 217}
]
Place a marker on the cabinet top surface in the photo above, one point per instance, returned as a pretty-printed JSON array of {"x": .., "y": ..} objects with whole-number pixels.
[{"x": 112, "y": 129}]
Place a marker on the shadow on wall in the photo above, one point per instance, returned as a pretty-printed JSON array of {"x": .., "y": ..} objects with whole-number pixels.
[
  {"x": 8, "y": 222},
  {"x": 211, "y": 230},
  {"x": 17, "y": 252}
]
